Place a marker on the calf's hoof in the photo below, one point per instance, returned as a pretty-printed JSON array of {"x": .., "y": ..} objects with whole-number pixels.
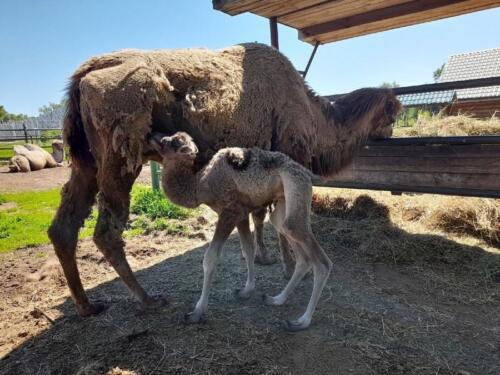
[
  {"x": 294, "y": 325},
  {"x": 264, "y": 260},
  {"x": 240, "y": 294},
  {"x": 271, "y": 301},
  {"x": 91, "y": 309},
  {"x": 194, "y": 318}
]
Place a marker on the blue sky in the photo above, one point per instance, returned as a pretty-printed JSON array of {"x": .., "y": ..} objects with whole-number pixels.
[{"x": 42, "y": 42}]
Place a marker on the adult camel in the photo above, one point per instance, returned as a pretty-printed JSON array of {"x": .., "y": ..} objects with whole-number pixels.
[{"x": 246, "y": 95}]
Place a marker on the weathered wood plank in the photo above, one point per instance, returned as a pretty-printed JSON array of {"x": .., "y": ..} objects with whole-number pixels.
[
  {"x": 460, "y": 169},
  {"x": 264, "y": 8},
  {"x": 333, "y": 10},
  {"x": 392, "y": 22},
  {"x": 429, "y": 164}
]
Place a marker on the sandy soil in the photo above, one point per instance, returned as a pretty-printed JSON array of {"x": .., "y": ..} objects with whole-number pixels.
[
  {"x": 375, "y": 316},
  {"x": 45, "y": 179}
]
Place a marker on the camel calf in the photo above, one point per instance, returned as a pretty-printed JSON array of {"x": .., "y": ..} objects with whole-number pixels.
[{"x": 236, "y": 182}]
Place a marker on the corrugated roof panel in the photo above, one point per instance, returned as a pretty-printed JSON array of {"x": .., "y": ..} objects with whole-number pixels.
[{"x": 425, "y": 98}]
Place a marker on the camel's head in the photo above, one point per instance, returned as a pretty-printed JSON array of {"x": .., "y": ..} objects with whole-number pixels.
[
  {"x": 57, "y": 145},
  {"x": 58, "y": 150},
  {"x": 178, "y": 146},
  {"x": 384, "y": 119},
  {"x": 373, "y": 109}
]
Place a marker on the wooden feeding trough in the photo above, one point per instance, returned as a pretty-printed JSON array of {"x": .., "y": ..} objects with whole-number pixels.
[{"x": 468, "y": 166}]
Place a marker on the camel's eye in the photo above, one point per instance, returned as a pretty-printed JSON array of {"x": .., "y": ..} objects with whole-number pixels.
[{"x": 185, "y": 150}]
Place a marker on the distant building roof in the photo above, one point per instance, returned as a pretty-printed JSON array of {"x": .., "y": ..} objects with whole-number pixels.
[
  {"x": 423, "y": 98},
  {"x": 472, "y": 65}
]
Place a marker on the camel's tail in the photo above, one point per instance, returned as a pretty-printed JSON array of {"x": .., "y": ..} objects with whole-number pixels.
[{"x": 73, "y": 128}]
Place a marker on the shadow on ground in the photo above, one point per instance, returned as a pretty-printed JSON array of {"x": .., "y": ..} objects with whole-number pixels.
[{"x": 396, "y": 303}]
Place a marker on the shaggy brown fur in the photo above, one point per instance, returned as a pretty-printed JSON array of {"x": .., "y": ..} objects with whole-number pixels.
[
  {"x": 234, "y": 183},
  {"x": 247, "y": 95},
  {"x": 31, "y": 157}
]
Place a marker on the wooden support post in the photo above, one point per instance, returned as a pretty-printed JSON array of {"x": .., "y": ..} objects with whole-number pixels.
[
  {"x": 310, "y": 59},
  {"x": 25, "y": 133},
  {"x": 155, "y": 175},
  {"x": 273, "y": 26}
]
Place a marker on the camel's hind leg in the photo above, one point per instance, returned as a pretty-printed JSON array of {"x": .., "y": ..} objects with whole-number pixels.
[
  {"x": 321, "y": 266},
  {"x": 287, "y": 260},
  {"x": 301, "y": 265},
  {"x": 77, "y": 198},
  {"x": 114, "y": 201},
  {"x": 301, "y": 269},
  {"x": 295, "y": 225},
  {"x": 262, "y": 255},
  {"x": 247, "y": 247}
]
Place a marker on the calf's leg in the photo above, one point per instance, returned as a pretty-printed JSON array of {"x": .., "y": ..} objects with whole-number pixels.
[
  {"x": 321, "y": 266},
  {"x": 225, "y": 225},
  {"x": 247, "y": 247},
  {"x": 262, "y": 255},
  {"x": 302, "y": 266}
]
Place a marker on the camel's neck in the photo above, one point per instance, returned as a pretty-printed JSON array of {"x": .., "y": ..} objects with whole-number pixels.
[
  {"x": 337, "y": 143},
  {"x": 180, "y": 183}
]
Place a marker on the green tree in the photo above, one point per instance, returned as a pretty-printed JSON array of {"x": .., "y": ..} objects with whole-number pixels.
[
  {"x": 389, "y": 85},
  {"x": 6, "y": 116},
  {"x": 437, "y": 73},
  {"x": 51, "y": 107}
]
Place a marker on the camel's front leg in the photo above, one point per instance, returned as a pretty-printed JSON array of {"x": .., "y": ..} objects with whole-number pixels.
[
  {"x": 114, "y": 201},
  {"x": 77, "y": 198},
  {"x": 249, "y": 253},
  {"x": 223, "y": 229}
]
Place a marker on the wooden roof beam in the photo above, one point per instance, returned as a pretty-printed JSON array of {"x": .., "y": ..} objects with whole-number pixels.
[{"x": 374, "y": 16}]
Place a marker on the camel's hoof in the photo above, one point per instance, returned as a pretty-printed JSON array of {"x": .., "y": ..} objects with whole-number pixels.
[
  {"x": 240, "y": 295},
  {"x": 293, "y": 326},
  {"x": 194, "y": 318},
  {"x": 268, "y": 300},
  {"x": 92, "y": 309},
  {"x": 265, "y": 260}
]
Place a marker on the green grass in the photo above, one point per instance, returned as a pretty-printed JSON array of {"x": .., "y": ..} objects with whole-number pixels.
[
  {"x": 26, "y": 223},
  {"x": 153, "y": 205}
]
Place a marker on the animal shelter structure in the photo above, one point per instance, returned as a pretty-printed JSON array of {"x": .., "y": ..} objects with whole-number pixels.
[
  {"x": 481, "y": 102},
  {"x": 467, "y": 166}
]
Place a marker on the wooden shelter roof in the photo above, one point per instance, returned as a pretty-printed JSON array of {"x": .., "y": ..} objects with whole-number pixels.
[{"x": 328, "y": 21}]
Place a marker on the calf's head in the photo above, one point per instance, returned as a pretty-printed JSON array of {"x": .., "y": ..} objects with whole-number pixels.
[{"x": 179, "y": 146}]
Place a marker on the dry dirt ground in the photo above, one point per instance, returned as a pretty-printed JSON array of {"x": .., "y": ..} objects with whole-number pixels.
[
  {"x": 419, "y": 304},
  {"x": 45, "y": 179}
]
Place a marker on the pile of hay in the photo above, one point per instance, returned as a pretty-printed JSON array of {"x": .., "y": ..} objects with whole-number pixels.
[
  {"x": 460, "y": 125},
  {"x": 462, "y": 234}
]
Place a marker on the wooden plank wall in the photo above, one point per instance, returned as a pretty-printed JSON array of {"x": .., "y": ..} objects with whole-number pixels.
[
  {"x": 483, "y": 108},
  {"x": 456, "y": 169}
]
